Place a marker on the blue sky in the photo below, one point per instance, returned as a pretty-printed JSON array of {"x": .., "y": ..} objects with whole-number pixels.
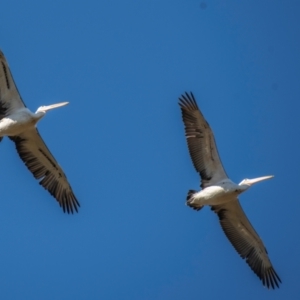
[{"x": 123, "y": 65}]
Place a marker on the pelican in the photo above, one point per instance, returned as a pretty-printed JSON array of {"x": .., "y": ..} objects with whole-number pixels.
[
  {"x": 19, "y": 124},
  {"x": 219, "y": 192}
]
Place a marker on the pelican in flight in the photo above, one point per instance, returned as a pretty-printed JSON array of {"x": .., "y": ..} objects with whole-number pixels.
[
  {"x": 221, "y": 193},
  {"x": 19, "y": 124}
]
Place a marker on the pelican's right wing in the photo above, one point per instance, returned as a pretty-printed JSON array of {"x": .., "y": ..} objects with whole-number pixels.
[
  {"x": 10, "y": 99},
  {"x": 201, "y": 142},
  {"x": 41, "y": 163},
  {"x": 246, "y": 241}
]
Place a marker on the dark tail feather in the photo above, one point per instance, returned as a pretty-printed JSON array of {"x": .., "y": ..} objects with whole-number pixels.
[
  {"x": 1, "y": 137},
  {"x": 190, "y": 198}
]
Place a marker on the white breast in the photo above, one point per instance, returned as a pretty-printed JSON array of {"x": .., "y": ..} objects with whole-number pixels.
[
  {"x": 220, "y": 193},
  {"x": 17, "y": 123}
]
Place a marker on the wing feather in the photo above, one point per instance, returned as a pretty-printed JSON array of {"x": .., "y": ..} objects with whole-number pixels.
[
  {"x": 40, "y": 162},
  {"x": 10, "y": 99},
  {"x": 246, "y": 241},
  {"x": 201, "y": 142}
]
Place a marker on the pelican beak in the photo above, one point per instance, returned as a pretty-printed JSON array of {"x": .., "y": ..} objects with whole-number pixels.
[
  {"x": 255, "y": 180},
  {"x": 48, "y": 107}
]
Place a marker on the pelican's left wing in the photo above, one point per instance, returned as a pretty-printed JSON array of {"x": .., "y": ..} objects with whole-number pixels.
[
  {"x": 246, "y": 241},
  {"x": 40, "y": 162},
  {"x": 201, "y": 142},
  {"x": 10, "y": 99}
]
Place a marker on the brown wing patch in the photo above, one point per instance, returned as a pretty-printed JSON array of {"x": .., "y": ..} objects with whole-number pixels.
[
  {"x": 44, "y": 168},
  {"x": 201, "y": 143},
  {"x": 246, "y": 242}
]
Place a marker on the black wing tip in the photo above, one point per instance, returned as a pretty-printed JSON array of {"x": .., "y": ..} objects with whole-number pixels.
[
  {"x": 268, "y": 276},
  {"x": 69, "y": 206},
  {"x": 188, "y": 100},
  {"x": 69, "y": 211},
  {"x": 68, "y": 201},
  {"x": 270, "y": 279}
]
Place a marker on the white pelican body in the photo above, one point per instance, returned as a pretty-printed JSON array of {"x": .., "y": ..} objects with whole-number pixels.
[
  {"x": 19, "y": 124},
  {"x": 219, "y": 192}
]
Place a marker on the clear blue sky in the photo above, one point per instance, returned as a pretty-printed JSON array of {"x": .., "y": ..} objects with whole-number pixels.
[{"x": 123, "y": 65}]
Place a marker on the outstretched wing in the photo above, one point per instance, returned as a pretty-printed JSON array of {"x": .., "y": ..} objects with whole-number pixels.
[
  {"x": 45, "y": 168},
  {"x": 201, "y": 142},
  {"x": 10, "y": 99},
  {"x": 246, "y": 241}
]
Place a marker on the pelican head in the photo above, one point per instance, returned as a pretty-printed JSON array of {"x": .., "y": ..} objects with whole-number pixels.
[
  {"x": 246, "y": 183},
  {"x": 41, "y": 111}
]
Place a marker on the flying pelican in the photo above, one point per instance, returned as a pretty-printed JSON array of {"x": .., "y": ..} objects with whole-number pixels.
[
  {"x": 221, "y": 193},
  {"x": 19, "y": 124}
]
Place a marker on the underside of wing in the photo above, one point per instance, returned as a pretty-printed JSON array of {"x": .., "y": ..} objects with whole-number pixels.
[
  {"x": 246, "y": 241},
  {"x": 45, "y": 168},
  {"x": 10, "y": 99},
  {"x": 201, "y": 142}
]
